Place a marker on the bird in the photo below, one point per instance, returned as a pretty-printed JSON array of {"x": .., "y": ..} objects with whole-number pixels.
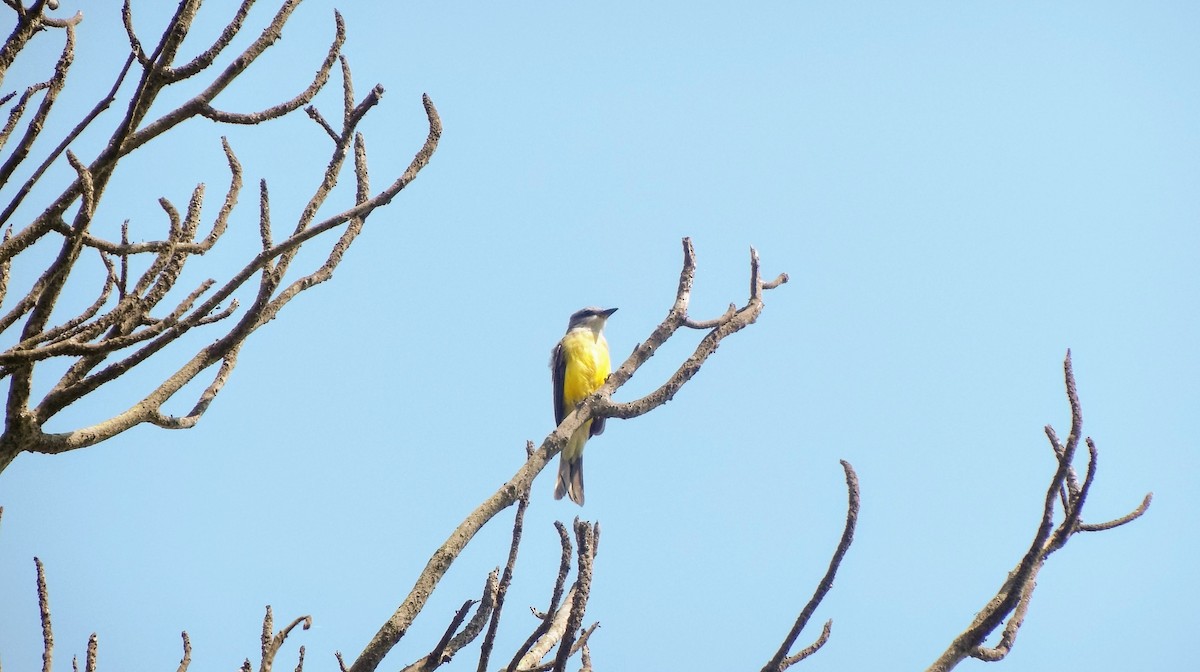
[{"x": 579, "y": 364}]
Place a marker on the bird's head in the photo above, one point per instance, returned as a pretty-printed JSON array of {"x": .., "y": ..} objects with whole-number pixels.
[{"x": 592, "y": 318}]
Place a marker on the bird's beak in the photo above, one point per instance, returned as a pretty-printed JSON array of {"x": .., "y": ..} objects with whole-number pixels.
[{"x": 608, "y": 312}]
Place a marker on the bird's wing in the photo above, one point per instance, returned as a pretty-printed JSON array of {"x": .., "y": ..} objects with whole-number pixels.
[
  {"x": 605, "y": 367},
  {"x": 558, "y": 372}
]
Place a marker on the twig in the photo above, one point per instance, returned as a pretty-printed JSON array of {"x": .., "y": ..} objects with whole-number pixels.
[
  {"x": 585, "y": 538},
  {"x": 34, "y": 128},
  {"x": 208, "y": 56},
  {"x": 1129, "y": 517},
  {"x": 273, "y": 641},
  {"x": 44, "y": 610},
  {"x": 600, "y": 403},
  {"x": 564, "y": 566},
  {"x": 780, "y": 661},
  {"x": 101, "y": 106},
  {"x": 187, "y": 653},
  {"x": 585, "y": 659},
  {"x": 489, "y": 640},
  {"x": 811, "y": 648},
  {"x": 89, "y": 664},
  {"x": 453, "y": 640},
  {"x": 550, "y": 637},
  {"x": 438, "y": 655}
]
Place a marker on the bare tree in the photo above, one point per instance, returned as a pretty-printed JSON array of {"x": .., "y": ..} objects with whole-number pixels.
[
  {"x": 560, "y": 627},
  {"x": 124, "y": 326},
  {"x": 128, "y": 322}
]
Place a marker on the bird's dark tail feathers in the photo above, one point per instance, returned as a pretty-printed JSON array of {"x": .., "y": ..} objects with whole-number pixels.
[{"x": 570, "y": 479}]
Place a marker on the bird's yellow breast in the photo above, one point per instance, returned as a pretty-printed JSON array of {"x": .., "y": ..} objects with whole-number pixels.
[{"x": 586, "y": 354}]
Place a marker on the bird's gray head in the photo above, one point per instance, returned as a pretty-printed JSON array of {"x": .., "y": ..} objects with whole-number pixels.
[{"x": 590, "y": 318}]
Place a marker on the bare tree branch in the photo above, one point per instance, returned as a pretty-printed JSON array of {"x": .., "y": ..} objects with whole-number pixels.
[
  {"x": 1012, "y": 600},
  {"x": 203, "y": 108},
  {"x": 585, "y": 538},
  {"x": 597, "y": 405},
  {"x": 101, "y": 106},
  {"x": 453, "y": 640},
  {"x": 586, "y": 655},
  {"x": 781, "y": 661},
  {"x": 435, "y": 657},
  {"x": 187, "y": 653},
  {"x": 519, "y": 660},
  {"x": 272, "y": 641},
  {"x": 731, "y": 322},
  {"x": 53, "y": 87},
  {"x": 204, "y": 60},
  {"x": 547, "y": 637},
  {"x": 1129, "y": 517},
  {"x": 580, "y": 646},
  {"x": 489, "y": 640},
  {"x": 811, "y": 648},
  {"x": 487, "y": 606},
  {"x": 110, "y": 338},
  {"x": 89, "y": 664},
  {"x": 43, "y": 594}
]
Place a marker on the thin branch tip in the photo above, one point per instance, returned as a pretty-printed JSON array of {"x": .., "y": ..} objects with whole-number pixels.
[{"x": 781, "y": 660}]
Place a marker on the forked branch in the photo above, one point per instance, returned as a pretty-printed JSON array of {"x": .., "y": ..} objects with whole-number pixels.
[
  {"x": 554, "y": 620},
  {"x": 1065, "y": 491},
  {"x": 558, "y": 625},
  {"x": 597, "y": 405},
  {"x": 453, "y": 640},
  {"x": 489, "y": 640},
  {"x": 781, "y": 660},
  {"x": 272, "y": 641},
  {"x": 133, "y": 317}
]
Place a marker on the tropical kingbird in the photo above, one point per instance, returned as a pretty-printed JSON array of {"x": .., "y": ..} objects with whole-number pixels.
[{"x": 579, "y": 365}]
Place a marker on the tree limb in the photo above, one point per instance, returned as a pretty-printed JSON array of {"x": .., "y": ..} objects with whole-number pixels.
[
  {"x": 489, "y": 640},
  {"x": 44, "y": 610},
  {"x": 1012, "y": 600},
  {"x": 597, "y": 405},
  {"x": 535, "y": 647},
  {"x": 781, "y": 661},
  {"x": 108, "y": 339}
]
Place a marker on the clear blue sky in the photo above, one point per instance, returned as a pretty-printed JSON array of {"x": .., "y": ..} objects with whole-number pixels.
[{"x": 959, "y": 192}]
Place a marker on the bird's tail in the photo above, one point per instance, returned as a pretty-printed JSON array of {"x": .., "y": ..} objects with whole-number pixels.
[{"x": 570, "y": 468}]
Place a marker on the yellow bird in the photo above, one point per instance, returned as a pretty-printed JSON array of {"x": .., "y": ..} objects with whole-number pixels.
[{"x": 579, "y": 365}]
